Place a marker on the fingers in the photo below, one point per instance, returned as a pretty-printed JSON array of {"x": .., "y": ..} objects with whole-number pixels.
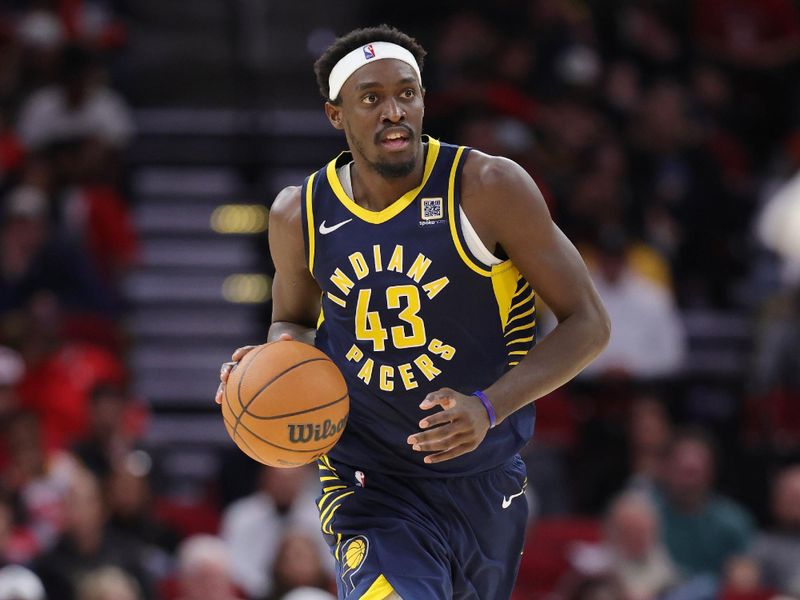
[
  {"x": 225, "y": 371},
  {"x": 448, "y": 454},
  {"x": 239, "y": 353},
  {"x": 443, "y": 397},
  {"x": 285, "y": 337},
  {"x": 226, "y": 368},
  {"x": 437, "y": 440}
]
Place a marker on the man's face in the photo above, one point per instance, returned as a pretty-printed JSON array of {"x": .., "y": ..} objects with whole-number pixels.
[
  {"x": 380, "y": 111},
  {"x": 690, "y": 472}
]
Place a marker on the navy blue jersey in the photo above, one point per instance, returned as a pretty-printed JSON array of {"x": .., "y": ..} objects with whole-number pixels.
[{"x": 407, "y": 309}]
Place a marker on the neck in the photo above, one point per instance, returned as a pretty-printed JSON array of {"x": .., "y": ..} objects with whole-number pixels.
[{"x": 374, "y": 191}]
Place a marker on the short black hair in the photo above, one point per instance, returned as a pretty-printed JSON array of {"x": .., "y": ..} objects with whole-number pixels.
[{"x": 355, "y": 39}]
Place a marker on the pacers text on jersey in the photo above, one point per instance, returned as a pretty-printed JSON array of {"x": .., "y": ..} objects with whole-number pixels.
[{"x": 406, "y": 298}]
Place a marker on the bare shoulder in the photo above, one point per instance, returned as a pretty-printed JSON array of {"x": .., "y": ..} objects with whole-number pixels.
[
  {"x": 488, "y": 173},
  {"x": 287, "y": 205},
  {"x": 500, "y": 197}
]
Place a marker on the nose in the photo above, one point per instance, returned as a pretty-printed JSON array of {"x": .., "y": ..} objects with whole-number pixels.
[{"x": 392, "y": 111}]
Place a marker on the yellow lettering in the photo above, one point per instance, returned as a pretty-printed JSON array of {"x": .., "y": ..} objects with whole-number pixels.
[
  {"x": 386, "y": 380},
  {"x": 336, "y": 299},
  {"x": 434, "y": 287},
  {"x": 376, "y": 254},
  {"x": 425, "y": 364},
  {"x": 407, "y": 376},
  {"x": 359, "y": 264},
  {"x": 342, "y": 281},
  {"x": 418, "y": 267},
  {"x": 354, "y": 354},
  {"x": 365, "y": 374},
  {"x": 441, "y": 349},
  {"x": 396, "y": 262}
]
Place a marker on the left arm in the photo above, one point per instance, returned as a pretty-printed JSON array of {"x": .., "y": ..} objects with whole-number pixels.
[{"x": 506, "y": 208}]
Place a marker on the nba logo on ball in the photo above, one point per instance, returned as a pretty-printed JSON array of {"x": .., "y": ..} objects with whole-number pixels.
[{"x": 369, "y": 51}]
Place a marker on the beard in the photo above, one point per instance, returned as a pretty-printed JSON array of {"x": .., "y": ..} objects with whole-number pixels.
[
  {"x": 393, "y": 170},
  {"x": 386, "y": 169}
]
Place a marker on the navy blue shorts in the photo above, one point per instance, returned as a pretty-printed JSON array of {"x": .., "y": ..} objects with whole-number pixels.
[{"x": 456, "y": 538}]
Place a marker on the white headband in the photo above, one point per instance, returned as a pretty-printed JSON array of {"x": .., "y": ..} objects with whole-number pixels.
[{"x": 363, "y": 55}]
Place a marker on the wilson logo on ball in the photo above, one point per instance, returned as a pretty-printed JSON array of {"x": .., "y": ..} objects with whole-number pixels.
[{"x": 300, "y": 434}]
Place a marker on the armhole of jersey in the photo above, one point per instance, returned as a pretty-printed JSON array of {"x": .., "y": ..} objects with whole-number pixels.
[
  {"x": 307, "y": 212},
  {"x": 453, "y": 214},
  {"x": 456, "y": 219}
]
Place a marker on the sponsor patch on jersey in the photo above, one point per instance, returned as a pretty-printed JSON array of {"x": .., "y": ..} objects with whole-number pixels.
[{"x": 431, "y": 209}]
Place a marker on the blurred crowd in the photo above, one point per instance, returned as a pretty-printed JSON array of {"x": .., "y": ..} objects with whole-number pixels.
[{"x": 656, "y": 130}]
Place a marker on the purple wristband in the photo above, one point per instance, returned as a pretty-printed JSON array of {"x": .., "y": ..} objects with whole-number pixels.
[{"x": 488, "y": 406}]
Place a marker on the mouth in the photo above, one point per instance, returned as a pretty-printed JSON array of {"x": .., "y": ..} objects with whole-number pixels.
[{"x": 395, "y": 139}]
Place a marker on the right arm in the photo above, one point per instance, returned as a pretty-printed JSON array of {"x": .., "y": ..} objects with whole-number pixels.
[{"x": 295, "y": 293}]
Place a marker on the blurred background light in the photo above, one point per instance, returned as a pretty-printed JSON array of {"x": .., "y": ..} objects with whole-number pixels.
[
  {"x": 240, "y": 218},
  {"x": 247, "y": 288}
]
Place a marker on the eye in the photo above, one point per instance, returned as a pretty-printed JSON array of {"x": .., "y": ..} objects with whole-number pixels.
[
  {"x": 370, "y": 98},
  {"x": 408, "y": 93}
]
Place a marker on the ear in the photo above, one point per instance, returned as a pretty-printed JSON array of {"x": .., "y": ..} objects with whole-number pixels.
[{"x": 334, "y": 114}]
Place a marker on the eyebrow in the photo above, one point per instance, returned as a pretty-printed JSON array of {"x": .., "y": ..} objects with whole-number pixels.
[{"x": 376, "y": 84}]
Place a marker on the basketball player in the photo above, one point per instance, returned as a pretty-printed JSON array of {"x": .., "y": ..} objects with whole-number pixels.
[{"x": 412, "y": 264}]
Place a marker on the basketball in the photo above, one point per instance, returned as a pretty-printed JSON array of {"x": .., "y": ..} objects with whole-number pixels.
[{"x": 285, "y": 404}]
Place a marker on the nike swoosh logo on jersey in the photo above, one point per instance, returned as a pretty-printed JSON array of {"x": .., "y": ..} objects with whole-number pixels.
[
  {"x": 507, "y": 501},
  {"x": 326, "y": 230}
]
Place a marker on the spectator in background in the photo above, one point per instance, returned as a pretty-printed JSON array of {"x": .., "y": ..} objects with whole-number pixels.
[
  {"x": 33, "y": 259},
  {"x": 6, "y": 527},
  {"x": 778, "y": 551},
  {"x": 78, "y": 107},
  {"x": 252, "y": 527},
  {"x": 41, "y": 38},
  {"x": 298, "y": 563},
  {"x": 18, "y": 583},
  {"x": 39, "y": 480},
  {"x": 741, "y": 580},
  {"x": 10, "y": 72},
  {"x": 649, "y": 437},
  {"x": 12, "y": 369},
  {"x": 682, "y": 203},
  {"x": 86, "y": 543},
  {"x": 93, "y": 214},
  {"x": 60, "y": 369},
  {"x": 638, "y": 556},
  {"x": 204, "y": 569},
  {"x": 130, "y": 506},
  {"x": 702, "y": 530},
  {"x": 107, "y": 444},
  {"x": 647, "y": 336},
  {"x": 775, "y": 376},
  {"x": 108, "y": 583},
  {"x": 12, "y": 154}
]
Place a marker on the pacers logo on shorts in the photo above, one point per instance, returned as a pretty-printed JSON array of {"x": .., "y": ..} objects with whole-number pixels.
[{"x": 352, "y": 555}]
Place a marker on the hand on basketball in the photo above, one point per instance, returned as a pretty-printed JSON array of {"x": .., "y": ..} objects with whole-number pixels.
[
  {"x": 451, "y": 432},
  {"x": 226, "y": 368}
]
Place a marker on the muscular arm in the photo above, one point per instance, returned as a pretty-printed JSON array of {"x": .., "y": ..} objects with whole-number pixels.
[
  {"x": 295, "y": 294},
  {"x": 505, "y": 207}
]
